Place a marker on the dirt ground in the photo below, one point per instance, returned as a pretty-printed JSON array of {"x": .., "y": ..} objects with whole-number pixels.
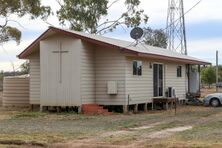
[
  {"x": 192, "y": 126},
  {"x": 205, "y": 91}
]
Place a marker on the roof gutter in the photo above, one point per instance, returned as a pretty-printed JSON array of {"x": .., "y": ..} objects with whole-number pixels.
[{"x": 175, "y": 59}]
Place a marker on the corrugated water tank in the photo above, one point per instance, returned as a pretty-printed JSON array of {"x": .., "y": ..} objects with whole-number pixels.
[{"x": 15, "y": 91}]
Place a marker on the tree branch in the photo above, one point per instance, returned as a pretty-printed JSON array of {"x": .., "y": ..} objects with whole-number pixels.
[
  {"x": 110, "y": 26},
  {"x": 6, "y": 22},
  {"x": 58, "y": 1},
  {"x": 113, "y": 3},
  {"x": 17, "y": 23}
]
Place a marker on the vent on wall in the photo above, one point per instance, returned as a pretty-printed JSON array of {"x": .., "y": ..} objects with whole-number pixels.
[{"x": 111, "y": 87}]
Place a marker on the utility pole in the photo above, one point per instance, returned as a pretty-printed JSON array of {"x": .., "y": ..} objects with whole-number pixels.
[{"x": 217, "y": 71}]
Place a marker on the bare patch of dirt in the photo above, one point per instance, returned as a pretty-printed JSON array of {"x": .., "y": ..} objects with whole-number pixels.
[
  {"x": 128, "y": 131},
  {"x": 115, "y": 133},
  {"x": 145, "y": 127},
  {"x": 95, "y": 141},
  {"x": 169, "y": 131}
]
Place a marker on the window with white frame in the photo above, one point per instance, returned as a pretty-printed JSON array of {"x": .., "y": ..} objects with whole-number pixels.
[{"x": 137, "y": 67}]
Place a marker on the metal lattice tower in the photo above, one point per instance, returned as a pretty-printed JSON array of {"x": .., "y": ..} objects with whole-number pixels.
[{"x": 175, "y": 31}]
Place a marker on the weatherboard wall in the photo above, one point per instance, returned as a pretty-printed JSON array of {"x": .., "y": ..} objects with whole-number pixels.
[
  {"x": 110, "y": 66},
  {"x": 140, "y": 88},
  {"x": 88, "y": 73},
  {"x": 178, "y": 83},
  {"x": 34, "y": 89}
]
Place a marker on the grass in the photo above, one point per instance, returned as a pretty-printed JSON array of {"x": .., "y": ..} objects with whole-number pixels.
[
  {"x": 120, "y": 140},
  {"x": 211, "y": 131},
  {"x": 50, "y": 128},
  {"x": 171, "y": 124},
  {"x": 29, "y": 115},
  {"x": 73, "y": 123}
]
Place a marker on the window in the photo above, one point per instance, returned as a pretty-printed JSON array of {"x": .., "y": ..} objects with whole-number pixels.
[
  {"x": 179, "y": 71},
  {"x": 137, "y": 68}
]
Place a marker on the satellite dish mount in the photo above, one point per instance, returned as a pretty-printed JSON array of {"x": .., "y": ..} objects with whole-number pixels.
[{"x": 136, "y": 33}]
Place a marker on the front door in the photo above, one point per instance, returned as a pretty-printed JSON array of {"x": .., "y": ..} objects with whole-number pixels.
[{"x": 157, "y": 80}]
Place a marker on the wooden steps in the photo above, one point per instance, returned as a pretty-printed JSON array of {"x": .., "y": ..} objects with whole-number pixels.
[{"x": 94, "y": 109}]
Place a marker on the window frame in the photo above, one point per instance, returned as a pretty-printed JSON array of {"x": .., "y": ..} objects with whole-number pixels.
[
  {"x": 179, "y": 71},
  {"x": 137, "y": 72}
]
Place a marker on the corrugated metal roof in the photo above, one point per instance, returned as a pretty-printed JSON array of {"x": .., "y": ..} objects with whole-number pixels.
[{"x": 140, "y": 48}]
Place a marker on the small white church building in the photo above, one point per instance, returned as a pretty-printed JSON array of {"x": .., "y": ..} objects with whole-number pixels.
[{"x": 70, "y": 68}]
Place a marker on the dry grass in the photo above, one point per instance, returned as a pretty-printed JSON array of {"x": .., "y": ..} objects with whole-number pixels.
[
  {"x": 205, "y": 91},
  {"x": 51, "y": 128},
  {"x": 74, "y": 130}
]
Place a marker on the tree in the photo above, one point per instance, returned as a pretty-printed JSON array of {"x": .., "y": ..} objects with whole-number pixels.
[
  {"x": 1, "y": 76},
  {"x": 25, "y": 67},
  {"x": 220, "y": 73},
  {"x": 19, "y": 8},
  {"x": 156, "y": 37},
  {"x": 208, "y": 75},
  {"x": 86, "y": 15}
]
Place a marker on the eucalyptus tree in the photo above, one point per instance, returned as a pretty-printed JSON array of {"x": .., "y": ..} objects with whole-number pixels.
[
  {"x": 155, "y": 37},
  {"x": 90, "y": 15},
  {"x": 18, "y": 8}
]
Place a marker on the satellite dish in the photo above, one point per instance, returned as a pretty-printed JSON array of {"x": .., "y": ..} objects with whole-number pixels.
[{"x": 136, "y": 33}]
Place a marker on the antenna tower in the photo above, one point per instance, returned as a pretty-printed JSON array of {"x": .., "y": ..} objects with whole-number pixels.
[{"x": 175, "y": 31}]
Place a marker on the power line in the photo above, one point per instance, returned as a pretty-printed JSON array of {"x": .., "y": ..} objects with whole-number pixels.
[
  {"x": 175, "y": 28},
  {"x": 173, "y": 22},
  {"x": 183, "y": 15}
]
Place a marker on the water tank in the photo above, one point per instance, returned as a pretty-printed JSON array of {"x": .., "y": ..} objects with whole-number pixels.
[
  {"x": 194, "y": 82},
  {"x": 15, "y": 91}
]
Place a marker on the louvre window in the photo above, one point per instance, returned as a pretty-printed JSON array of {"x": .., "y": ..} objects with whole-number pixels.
[{"x": 137, "y": 68}]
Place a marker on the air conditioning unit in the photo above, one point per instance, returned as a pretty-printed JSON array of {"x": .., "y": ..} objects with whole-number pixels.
[
  {"x": 112, "y": 88},
  {"x": 171, "y": 92}
]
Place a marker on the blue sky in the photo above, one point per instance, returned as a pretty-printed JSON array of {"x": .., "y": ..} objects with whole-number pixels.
[{"x": 203, "y": 26}]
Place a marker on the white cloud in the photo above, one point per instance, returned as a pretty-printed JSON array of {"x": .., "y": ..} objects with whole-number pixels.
[
  {"x": 206, "y": 49},
  {"x": 206, "y": 11},
  {"x": 9, "y": 66},
  {"x": 12, "y": 49},
  {"x": 8, "y": 54}
]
